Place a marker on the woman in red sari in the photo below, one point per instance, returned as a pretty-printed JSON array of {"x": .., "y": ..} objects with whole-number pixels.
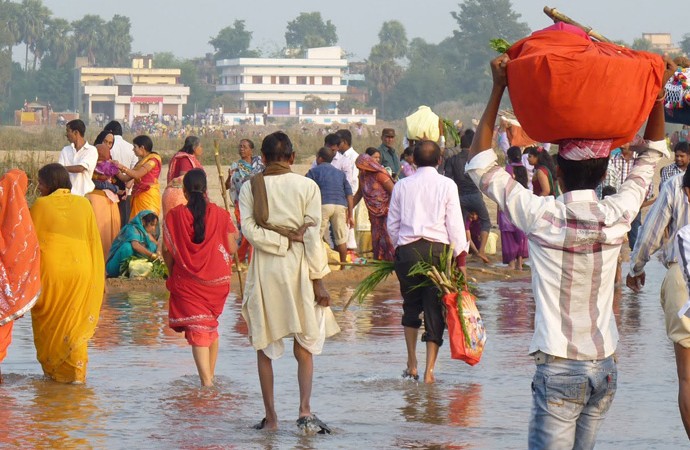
[
  {"x": 199, "y": 240},
  {"x": 184, "y": 160},
  {"x": 375, "y": 186}
]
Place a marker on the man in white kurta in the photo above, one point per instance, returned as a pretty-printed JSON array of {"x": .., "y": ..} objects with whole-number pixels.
[
  {"x": 284, "y": 277},
  {"x": 79, "y": 158}
]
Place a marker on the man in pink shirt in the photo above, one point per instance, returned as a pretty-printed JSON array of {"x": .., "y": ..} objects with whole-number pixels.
[{"x": 424, "y": 216}]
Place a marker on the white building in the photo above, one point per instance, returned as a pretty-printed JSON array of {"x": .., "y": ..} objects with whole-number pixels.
[
  {"x": 126, "y": 93},
  {"x": 278, "y": 86}
]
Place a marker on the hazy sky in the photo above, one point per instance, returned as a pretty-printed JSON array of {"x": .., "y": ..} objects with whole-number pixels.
[{"x": 185, "y": 27}]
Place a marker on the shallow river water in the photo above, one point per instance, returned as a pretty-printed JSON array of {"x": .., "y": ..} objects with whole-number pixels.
[{"x": 142, "y": 388}]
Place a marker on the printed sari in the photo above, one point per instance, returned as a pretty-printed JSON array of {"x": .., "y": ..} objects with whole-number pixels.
[
  {"x": 147, "y": 191},
  {"x": 173, "y": 195},
  {"x": 199, "y": 281},
  {"x": 72, "y": 268},
  {"x": 241, "y": 172},
  {"x": 122, "y": 250},
  {"x": 372, "y": 177},
  {"x": 19, "y": 255}
]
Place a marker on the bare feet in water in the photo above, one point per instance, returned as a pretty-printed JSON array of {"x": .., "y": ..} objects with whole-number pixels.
[
  {"x": 429, "y": 377},
  {"x": 485, "y": 259}
]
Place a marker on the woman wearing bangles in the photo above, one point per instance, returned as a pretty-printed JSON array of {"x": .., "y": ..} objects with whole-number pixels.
[{"x": 146, "y": 194}]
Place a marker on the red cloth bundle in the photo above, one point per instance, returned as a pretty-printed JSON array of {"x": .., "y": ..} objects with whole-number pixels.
[
  {"x": 565, "y": 86},
  {"x": 466, "y": 349}
]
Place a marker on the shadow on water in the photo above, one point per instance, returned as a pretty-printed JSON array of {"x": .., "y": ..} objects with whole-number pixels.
[{"x": 143, "y": 391}]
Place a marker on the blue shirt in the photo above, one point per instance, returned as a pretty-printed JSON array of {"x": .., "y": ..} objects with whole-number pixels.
[{"x": 332, "y": 183}]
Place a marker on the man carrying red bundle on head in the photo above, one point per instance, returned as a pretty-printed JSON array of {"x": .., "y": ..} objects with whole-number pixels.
[{"x": 574, "y": 242}]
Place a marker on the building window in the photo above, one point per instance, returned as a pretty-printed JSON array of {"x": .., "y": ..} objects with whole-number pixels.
[
  {"x": 124, "y": 90},
  {"x": 274, "y": 80},
  {"x": 312, "y": 80},
  {"x": 301, "y": 80},
  {"x": 283, "y": 80},
  {"x": 326, "y": 80},
  {"x": 257, "y": 79},
  {"x": 144, "y": 108}
]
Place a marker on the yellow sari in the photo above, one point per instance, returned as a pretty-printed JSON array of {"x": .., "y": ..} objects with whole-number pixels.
[
  {"x": 147, "y": 191},
  {"x": 73, "y": 280}
]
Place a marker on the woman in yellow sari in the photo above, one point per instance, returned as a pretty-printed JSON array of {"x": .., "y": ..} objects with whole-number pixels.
[
  {"x": 72, "y": 277},
  {"x": 146, "y": 193}
]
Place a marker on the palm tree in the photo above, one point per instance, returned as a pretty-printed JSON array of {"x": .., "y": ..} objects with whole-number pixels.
[
  {"x": 33, "y": 16},
  {"x": 117, "y": 44},
  {"x": 57, "y": 44},
  {"x": 88, "y": 36}
]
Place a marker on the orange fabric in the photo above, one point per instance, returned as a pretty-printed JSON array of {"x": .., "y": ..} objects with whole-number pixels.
[
  {"x": 517, "y": 136},
  {"x": 564, "y": 86},
  {"x": 5, "y": 339},
  {"x": 20, "y": 263}
]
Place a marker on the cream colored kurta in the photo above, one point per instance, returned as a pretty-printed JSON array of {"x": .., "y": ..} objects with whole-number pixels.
[{"x": 279, "y": 297}]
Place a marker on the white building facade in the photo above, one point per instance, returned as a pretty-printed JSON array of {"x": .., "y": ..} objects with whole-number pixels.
[
  {"x": 279, "y": 86},
  {"x": 126, "y": 93}
]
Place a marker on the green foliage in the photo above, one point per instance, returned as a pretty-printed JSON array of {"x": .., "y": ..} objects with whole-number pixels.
[
  {"x": 308, "y": 30},
  {"x": 479, "y": 21},
  {"x": 382, "y": 269},
  {"x": 233, "y": 42},
  {"x": 158, "y": 272},
  {"x": 199, "y": 93},
  {"x": 382, "y": 70},
  {"x": 499, "y": 45},
  {"x": 313, "y": 102},
  {"x": 685, "y": 43}
]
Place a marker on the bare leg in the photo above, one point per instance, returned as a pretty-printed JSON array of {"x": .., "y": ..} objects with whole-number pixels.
[
  {"x": 305, "y": 376},
  {"x": 342, "y": 251},
  {"x": 411, "y": 335},
  {"x": 431, "y": 355},
  {"x": 266, "y": 380},
  {"x": 484, "y": 236},
  {"x": 1, "y": 380},
  {"x": 213, "y": 357},
  {"x": 201, "y": 358},
  {"x": 511, "y": 265},
  {"x": 683, "y": 366},
  {"x": 519, "y": 263}
]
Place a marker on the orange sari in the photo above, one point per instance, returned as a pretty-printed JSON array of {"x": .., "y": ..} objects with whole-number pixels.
[
  {"x": 19, "y": 255},
  {"x": 173, "y": 195}
]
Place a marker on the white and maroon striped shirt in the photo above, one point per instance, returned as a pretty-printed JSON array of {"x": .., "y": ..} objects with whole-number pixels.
[{"x": 574, "y": 242}]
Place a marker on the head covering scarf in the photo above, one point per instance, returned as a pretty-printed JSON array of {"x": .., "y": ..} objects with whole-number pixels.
[
  {"x": 122, "y": 250},
  {"x": 376, "y": 198},
  {"x": 19, "y": 250},
  {"x": 581, "y": 149}
]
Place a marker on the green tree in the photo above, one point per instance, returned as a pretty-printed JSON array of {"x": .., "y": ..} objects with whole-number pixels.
[
  {"x": 233, "y": 42},
  {"x": 33, "y": 16},
  {"x": 685, "y": 43},
  {"x": 116, "y": 44},
  {"x": 8, "y": 38},
  {"x": 382, "y": 70},
  {"x": 200, "y": 93},
  {"x": 394, "y": 37},
  {"x": 643, "y": 44},
  {"x": 313, "y": 102},
  {"x": 308, "y": 30},
  {"x": 88, "y": 36},
  {"x": 479, "y": 21},
  {"x": 57, "y": 44}
]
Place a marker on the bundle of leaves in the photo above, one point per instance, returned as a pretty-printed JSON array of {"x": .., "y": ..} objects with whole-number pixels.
[
  {"x": 382, "y": 269},
  {"x": 500, "y": 45},
  {"x": 159, "y": 271},
  {"x": 447, "y": 277}
]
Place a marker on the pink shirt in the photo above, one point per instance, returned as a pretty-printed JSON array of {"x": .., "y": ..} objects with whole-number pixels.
[{"x": 426, "y": 205}]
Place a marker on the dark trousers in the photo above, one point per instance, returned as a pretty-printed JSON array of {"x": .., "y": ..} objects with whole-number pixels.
[
  {"x": 125, "y": 207},
  {"x": 418, "y": 300}
]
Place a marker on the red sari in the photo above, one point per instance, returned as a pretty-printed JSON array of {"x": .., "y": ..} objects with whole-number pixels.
[
  {"x": 20, "y": 281},
  {"x": 200, "y": 279},
  {"x": 173, "y": 195}
]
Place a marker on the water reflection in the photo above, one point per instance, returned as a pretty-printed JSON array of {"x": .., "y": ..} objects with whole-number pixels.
[{"x": 142, "y": 389}]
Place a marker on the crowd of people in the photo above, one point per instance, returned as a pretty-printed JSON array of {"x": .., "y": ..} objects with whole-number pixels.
[{"x": 568, "y": 214}]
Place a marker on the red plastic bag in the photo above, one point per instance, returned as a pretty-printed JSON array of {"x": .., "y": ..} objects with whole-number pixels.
[
  {"x": 470, "y": 348},
  {"x": 563, "y": 86}
]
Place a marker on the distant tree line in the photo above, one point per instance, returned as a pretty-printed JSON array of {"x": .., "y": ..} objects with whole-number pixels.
[{"x": 401, "y": 73}]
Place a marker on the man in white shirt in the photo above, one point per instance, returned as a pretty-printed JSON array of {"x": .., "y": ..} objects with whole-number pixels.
[
  {"x": 122, "y": 152},
  {"x": 79, "y": 158},
  {"x": 423, "y": 217},
  {"x": 574, "y": 242},
  {"x": 345, "y": 161}
]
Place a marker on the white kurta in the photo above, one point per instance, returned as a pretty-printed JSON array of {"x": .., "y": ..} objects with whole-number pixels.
[{"x": 279, "y": 297}]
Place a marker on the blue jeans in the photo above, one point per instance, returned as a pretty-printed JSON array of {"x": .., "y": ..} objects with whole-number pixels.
[{"x": 570, "y": 400}]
